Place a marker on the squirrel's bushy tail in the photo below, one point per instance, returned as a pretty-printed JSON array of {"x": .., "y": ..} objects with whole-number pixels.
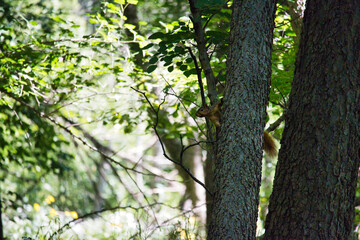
[{"x": 269, "y": 145}]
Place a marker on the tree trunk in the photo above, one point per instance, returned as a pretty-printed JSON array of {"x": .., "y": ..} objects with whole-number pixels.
[
  {"x": 209, "y": 181},
  {"x": 238, "y": 165},
  {"x": 315, "y": 181},
  {"x": 132, "y": 18}
]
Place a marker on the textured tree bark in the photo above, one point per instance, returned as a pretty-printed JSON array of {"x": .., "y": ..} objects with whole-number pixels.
[
  {"x": 209, "y": 181},
  {"x": 238, "y": 164},
  {"x": 315, "y": 181}
]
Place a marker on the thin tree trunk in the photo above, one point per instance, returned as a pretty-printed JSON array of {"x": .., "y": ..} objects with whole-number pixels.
[
  {"x": 132, "y": 18},
  {"x": 238, "y": 164},
  {"x": 315, "y": 181}
]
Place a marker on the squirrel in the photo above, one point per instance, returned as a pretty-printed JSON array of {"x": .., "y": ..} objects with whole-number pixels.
[{"x": 214, "y": 114}]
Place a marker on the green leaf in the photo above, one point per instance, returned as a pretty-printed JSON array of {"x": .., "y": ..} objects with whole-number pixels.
[
  {"x": 129, "y": 26},
  {"x": 133, "y": 2},
  {"x": 115, "y": 20},
  {"x": 153, "y": 60},
  {"x": 157, "y": 35},
  {"x": 151, "y": 68},
  {"x": 217, "y": 36},
  {"x": 189, "y": 72},
  {"x": 128, "y": 128},
  {"x": 179, "y": 50},
  {"x": 93, "y": 21},
  {"x": 168, "y": 59},
  {"x": 142, "y": 23},
  {"x": 166, "y": 89},
  {"x": 148, "y": 46},
  {"x": 120, "y": 1},
  {"x": 58, "y": 19},
  {"x": 183, "y": 67},
  {"x": 167, "y": 64},
  {"x": 113, "y": 7}
]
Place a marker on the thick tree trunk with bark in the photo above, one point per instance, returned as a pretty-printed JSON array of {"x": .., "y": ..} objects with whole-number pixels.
[
  {"x": 315, "y": 181},
  {"x": 238, "y": 164}
]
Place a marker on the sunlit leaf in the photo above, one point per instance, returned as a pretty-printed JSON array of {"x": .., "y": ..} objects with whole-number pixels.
[{"x": 134, "y": 2}]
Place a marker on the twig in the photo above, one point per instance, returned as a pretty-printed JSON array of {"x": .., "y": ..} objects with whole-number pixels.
[
  {"x": 170, "y": 219},
  {"x": 198, "y": 72},
  {"x": 275, "y": 124},
  {"x": 80, "y": 218},
  {"x": 180, "y": 100},
  {"x": 162, "y": 144}
]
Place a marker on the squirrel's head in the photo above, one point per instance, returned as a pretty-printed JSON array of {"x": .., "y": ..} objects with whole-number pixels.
[{"x": 203, "y": 111}]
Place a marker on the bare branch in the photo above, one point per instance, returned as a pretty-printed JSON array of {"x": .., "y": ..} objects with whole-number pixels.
[
  {"x": 180, "y": 100},
  {"x": 162, "y": 144},
  {"x": 171, "y": 219},
  {"x": 198, "y": 73},
  {"x": 275, "y": 124}
]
